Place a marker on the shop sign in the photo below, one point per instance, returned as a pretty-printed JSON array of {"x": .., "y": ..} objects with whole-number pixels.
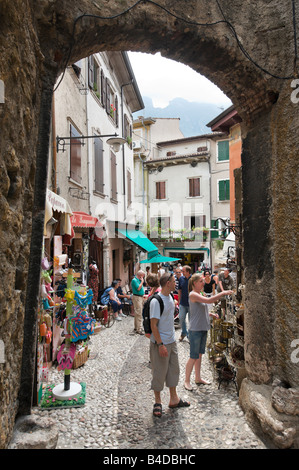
[{"x": 80, "y": 219}]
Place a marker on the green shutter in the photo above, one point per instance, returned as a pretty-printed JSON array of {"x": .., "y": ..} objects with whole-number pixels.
[
  {"x": 223, "y": 150},
  {"x": 223, "y": 190},
  {"x": 214, "y": 233}
]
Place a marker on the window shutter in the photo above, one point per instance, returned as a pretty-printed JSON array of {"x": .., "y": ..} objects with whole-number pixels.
[
  {"x": 200, "y": 221},
  {"x": 223, "y": 190},
  {"x": 103, "y": 88},
  {"x": 113, "y": 177},
  {"x": 187, "y": 221},
  {"x": 98, "y": 165},
  {"x": 165, "y": 223},
  {"x": 194, "y": 187},
  {"x": 90, "y": 71},
  {"x": 160, "y": 190},
  {"x": 129, "y": 186},
  {"x": 107, "y": 97},
  {"x": 223, "y": 150},
  {"x": 75, "y": 155},
  {"x": 214, "y": 233},
  {"x": 116, "y": 111}
]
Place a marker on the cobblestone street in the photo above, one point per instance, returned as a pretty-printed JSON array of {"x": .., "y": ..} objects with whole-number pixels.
[{"x": 119, "y": 402}]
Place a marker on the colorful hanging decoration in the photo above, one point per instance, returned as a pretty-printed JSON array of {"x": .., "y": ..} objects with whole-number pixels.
[{"x": 65, "y": 356}]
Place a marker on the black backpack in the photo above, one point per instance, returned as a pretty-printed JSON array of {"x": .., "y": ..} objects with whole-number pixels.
[{"x": 146, "y": 312}]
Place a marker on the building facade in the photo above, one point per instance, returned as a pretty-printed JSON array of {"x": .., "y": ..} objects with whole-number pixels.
[
  {"x": 177, "y": 190},
  {"x": 93, "y": 104}
]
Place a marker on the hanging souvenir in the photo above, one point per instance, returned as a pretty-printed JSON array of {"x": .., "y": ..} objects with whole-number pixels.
[{"x": 65, "y": 357}]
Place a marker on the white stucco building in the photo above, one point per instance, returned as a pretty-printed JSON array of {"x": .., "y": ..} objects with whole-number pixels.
[
  {"x": 175, "y": 183},
  {"x": 94, "y": 102}
]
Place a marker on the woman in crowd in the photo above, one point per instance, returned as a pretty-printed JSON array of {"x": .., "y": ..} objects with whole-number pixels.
[
  {"x": 152, "y": 281},
  {"x": 209, "y": 287},
  {"x": 199, "y": 325},
  {"x": 115, "y": 302}
]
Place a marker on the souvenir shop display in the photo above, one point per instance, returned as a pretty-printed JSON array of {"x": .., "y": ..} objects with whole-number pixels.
[
  {"x": 78, "y": 326},
  {"x": 45, "y": 322},
  {"x": 226, "y": 347}
]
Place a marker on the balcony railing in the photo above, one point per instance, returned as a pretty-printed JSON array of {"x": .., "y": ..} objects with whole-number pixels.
[{"x": 196, "y": 234}]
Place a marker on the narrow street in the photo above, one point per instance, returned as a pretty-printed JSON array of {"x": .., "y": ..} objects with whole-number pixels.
[{"x": 118, "y": 409}]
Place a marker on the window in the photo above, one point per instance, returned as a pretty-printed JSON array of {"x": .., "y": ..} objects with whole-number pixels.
[
  {"x": 161, "y": 190},
  {"x": 111, "y": 102},
  {"x": 160, "y": 226},
  {"x": 223, "y": 151},
  {"x": 129, "y": 188},
  {"x": 215, "y": 225},
  {"x": 170, "y": 154},
  {"x": 103, "y": 88},
  {"x": 194, "y": 187},
  {"x": 113, "y": 177},
  {"x": 98, "y": 166},
  {"x": 192, "y": 221},
  {"x": 94, "y": 81},
  {"x": 75, "y": 155},
  {"x": 127, "y": 130},
  {"x": 223, "y": 190}
]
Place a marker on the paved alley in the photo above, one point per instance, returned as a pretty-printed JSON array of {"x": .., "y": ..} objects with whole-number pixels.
[{"x": 119, "y": 403}]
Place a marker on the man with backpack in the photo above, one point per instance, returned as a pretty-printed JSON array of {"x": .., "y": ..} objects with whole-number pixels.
[{"x": 163, "y": 347}]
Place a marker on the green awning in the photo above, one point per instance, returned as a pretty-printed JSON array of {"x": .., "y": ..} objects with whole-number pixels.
[
  {"x": 141, "y": 240},
  {"x": 160, "y": 259}
]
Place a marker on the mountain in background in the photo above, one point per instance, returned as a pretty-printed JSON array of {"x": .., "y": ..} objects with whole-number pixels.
[{"x": 193, "y": 116}]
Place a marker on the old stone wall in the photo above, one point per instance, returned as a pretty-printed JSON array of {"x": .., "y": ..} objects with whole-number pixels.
[
  {"x": 38, "y": 40},
  {"x": 20, "y": 61}
]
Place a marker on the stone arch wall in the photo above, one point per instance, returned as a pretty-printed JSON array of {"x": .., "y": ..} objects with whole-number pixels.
[{"x": 39, "y": 40}]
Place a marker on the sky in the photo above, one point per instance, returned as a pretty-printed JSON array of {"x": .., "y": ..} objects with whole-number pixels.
[{"x": 164, "y": 79}]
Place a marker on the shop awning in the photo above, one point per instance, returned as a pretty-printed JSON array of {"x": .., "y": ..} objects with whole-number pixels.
[
  {"x": 140, "y": 240},
  {"x": 83, "y": 220},
  {"x": 57, "y": 203}
]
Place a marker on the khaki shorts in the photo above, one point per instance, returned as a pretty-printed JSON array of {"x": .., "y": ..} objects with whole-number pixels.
[{"x": 164, "y": 369}]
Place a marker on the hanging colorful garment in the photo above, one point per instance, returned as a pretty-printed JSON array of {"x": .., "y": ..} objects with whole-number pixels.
[
  {"x": 69, "y": 295},
  {"x": 82, "y": 326},
  {"x": 93, "y": 282},
  {"x": 83, "y": 300},
  {"x": 65, "y": 357}
]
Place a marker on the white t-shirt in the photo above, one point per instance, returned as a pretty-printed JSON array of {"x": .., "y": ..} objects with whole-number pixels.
[{"x": 166, "y": 320}]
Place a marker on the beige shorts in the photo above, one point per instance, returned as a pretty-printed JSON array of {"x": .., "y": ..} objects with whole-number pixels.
[{"x": 164, "y": 369}]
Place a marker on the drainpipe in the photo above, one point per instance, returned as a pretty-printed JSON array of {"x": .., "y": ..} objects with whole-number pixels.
[
  {"x": 54, "y": 151},
  {"x": 123, "y": 147},
  {"x": 211, "y": 211},
  {"x": 88, "y": 146},
  {"x": 143, "y": 196}
]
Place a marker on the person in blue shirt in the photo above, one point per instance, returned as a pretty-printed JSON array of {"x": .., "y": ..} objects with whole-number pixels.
[
  {"x": 183, "y": 296},
  {"x": 137, "y": 284}
]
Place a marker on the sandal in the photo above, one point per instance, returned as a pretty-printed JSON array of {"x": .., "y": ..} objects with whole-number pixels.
[
  {"x": 180, "y": 404},
  {"x": 157, "y": 411}
]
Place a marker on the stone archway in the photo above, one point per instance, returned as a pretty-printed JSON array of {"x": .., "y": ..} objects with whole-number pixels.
[{"x": 38, "y": 41}]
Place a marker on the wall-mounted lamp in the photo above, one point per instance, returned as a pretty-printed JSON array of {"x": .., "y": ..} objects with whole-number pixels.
[
  {"x": 115, "y": 141},
  {"x": 157, "y": 170}
]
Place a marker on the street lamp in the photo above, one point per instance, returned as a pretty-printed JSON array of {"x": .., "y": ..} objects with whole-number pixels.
[{"x": 114, "y": 141}]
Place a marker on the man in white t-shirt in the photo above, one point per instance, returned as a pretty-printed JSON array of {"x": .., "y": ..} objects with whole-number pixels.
[{"x": 163, "y": 347}]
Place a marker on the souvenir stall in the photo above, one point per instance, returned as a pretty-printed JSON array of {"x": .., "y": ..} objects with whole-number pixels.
[
  {"x": 86, "y": 232},
  {"x": 226, "y": 347},
  {"x": 73, "y": 352},
  {"x": 57, "y": 221}
]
